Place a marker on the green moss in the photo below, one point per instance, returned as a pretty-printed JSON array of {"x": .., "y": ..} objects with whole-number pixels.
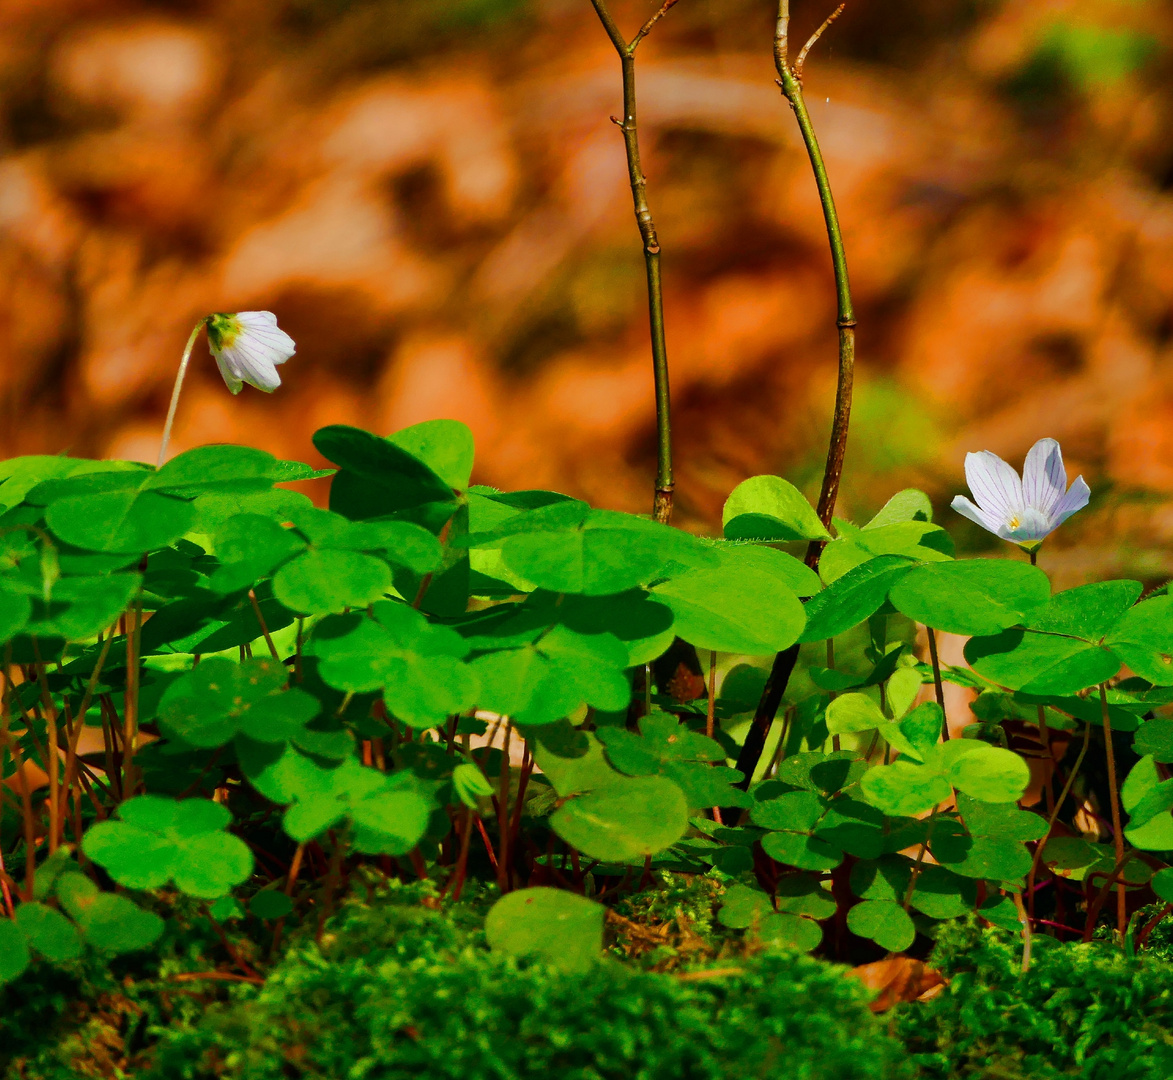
[
  {"x": 1082, "y": 1010},
  {"x": 402, "y": 991}
]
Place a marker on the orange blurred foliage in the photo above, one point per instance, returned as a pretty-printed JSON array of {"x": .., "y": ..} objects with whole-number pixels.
[{"x": 433, "y": 201}]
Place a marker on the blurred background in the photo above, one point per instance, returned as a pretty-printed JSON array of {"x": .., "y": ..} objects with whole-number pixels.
[{"x": 431, "y": 198}]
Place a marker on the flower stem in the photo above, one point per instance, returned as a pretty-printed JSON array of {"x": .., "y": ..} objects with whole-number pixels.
[
  {"x": 167, "y": 424},
  {"x": 1117, "y": 828}
]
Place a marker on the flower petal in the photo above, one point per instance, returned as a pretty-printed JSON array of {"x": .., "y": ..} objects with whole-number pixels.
[
  {"x": 1044, "y": 479},
  {"x": 253, "y": 363},
  {"x": 967, "y": 509},
  {"x": 1075, "y": 499},
  {"x": 995, "y": 485},
  {"x": 230, "y": 380}
]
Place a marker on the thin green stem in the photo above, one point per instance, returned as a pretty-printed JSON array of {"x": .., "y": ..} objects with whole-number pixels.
[
  {"x": 784, "y": 661},
  {"x": 937, "y": 684},
  {"x": 920, "y": 858},
  {"x": 1034, "y": 864},
  {"x": 167, "y": 424},
  {"x": 1117, "y": 828},
  {"x": 662, "y": 504}
]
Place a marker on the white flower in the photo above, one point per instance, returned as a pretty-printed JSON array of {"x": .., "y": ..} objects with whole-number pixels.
[
  {"x": 248, "y": 346},
  {"x": 1023, "y": 511}
]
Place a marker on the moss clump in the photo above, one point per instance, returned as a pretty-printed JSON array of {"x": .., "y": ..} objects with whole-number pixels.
[
  {"x": 1082, "y": 1010},
  {"x": 401, "y": 991}
]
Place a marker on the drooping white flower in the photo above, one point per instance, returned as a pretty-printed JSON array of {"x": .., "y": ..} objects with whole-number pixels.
[
  {"x": 1022, "y": 511},
  {"x": 248, "y": 346}
]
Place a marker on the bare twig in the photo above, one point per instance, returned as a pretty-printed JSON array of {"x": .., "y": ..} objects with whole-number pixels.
[
  {"x": 801, "y": 59},
  {"x": 662, "y": 502},
  {"x": 646, "y": 28}
]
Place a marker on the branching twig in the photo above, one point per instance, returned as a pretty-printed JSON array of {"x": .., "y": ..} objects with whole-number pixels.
[
  {"x": 646, "y": 28},
  {"x": 662, "y": 505},
  {"x": 801, "y": 59}
]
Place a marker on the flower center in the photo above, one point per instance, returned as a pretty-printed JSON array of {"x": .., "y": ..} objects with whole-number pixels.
[
  {"x": 1014, "y": 521},
  {"x": 223, "y": 331}
]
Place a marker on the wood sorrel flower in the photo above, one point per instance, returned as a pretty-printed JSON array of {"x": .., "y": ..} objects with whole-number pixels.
[
  {"x": 1023, "y": 511},
  {"x": 248, "y": 346}
]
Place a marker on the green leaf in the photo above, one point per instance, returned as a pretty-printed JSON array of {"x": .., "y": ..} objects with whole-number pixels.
[
  {"x": 445, "y": 446},
  {"x": 546, "y": 681},
  {"x": 1003, "y": 819},
  {"x": 791, "y": 572},
  {"x": 770, "y": 508},
  {"x": 15, "y": 609},
  {"x": 605, "y": 552},
  {"x": 828, "y": 773},
  {"x": 742, "y": 906},
  {"x": 849, "y": 713},
  {"x": 852, "y": 598},
  {"x": 1088, "y": 611},
  {"x": 80, "y": 607},
  {"x": 883, "y": 921},
  {"x": 975, "y": 596},
  {"x": 120, "y": 521},
  {"x": 742, "y": 610},
  {"x": 904, "y": 789},
  {"x": 801, "y": 851},
  {"x": 986, "y": 773},
  {"x": 918, "y": 540},
  {"x": 1074, "y": 858},
  {"x": 378, "y": 478},
  {"x": 328, "y": 581},
  {"x": 626, "y": 822},
  {"x": 160, "y": 839},
  {"x": 1144, "y": 640},
  {"x": 1155, "y": 737},
  {"x": 1043, "y": 664},
  {"x": 643, "y": 625},
  {"x": 573, "y": 761},
  {"x": 793, "y": 811},
  {"x": 661, "y": 740},
  {"x": 48, "y": 932},
  {"x": 250, "y": 547},
  {"x": 979, "y": 857},
  {"x": 854, "y": 827},
  {"x": 1162, "y": 884},
  {"x": 802, "y": 894},
  {"x": 14, "y": 953},
  {"x": 1147, "y": 799},
  {"x": 208, "y": 705},
  {"x": 470, "y": 784},
  {"x": 792, "y": 931},
  {"x": 222, "y": 468},
  {"x": 560, "y": 928},
  {"x": 109, "y": 923},
  {"x": 907, "y": 505}
]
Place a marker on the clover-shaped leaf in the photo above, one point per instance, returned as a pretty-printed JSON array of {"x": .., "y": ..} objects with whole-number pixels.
[
  {"x": 218, "y": 699},
  {"x": 160, "y": 840}
]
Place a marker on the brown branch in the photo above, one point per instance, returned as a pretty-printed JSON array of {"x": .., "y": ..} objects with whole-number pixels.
[
  {"x": 646, "y": 28},
  {"x": 798, "y": 63}
]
